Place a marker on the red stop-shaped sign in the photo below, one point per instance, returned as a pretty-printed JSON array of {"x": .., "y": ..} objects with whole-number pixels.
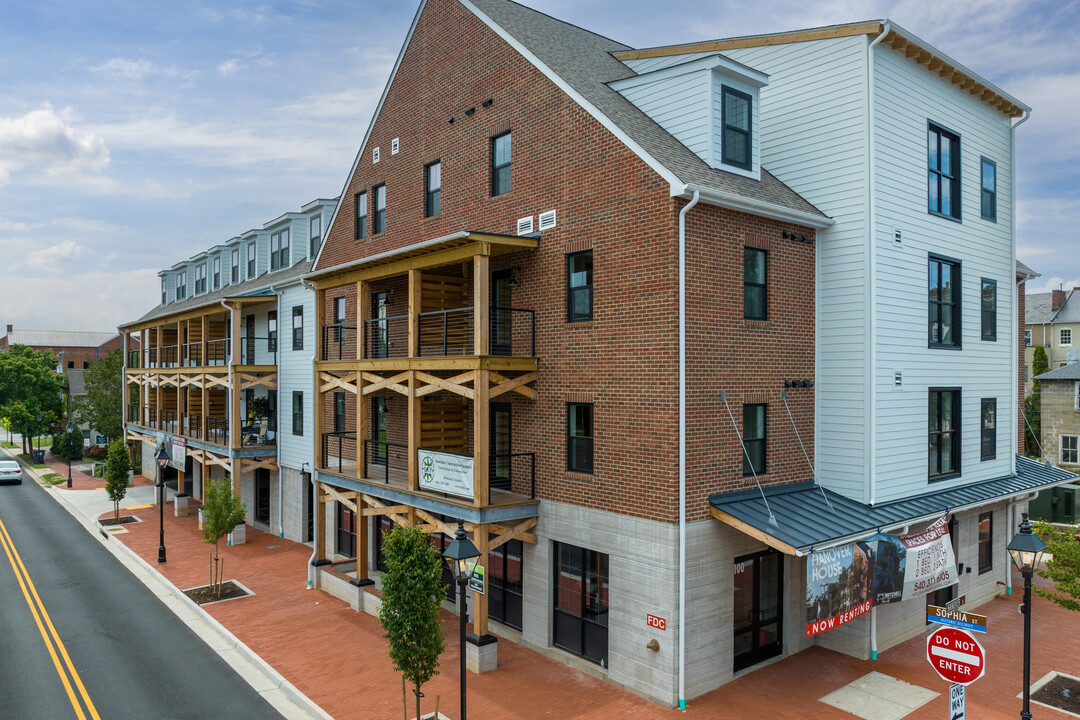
[{"x": 956, "y": 655}]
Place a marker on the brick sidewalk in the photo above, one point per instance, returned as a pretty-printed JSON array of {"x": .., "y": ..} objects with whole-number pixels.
[
  {"x": 82, "y": 481},
  {"x": 337, "y": 656}
]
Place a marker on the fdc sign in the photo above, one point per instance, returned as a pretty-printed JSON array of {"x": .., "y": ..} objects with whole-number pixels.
[{"x": 956, "y": 655}]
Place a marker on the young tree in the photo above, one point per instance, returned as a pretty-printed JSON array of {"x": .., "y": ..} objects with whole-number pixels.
[
  {"x": 69, "y": 445},
  {"x": 1039, "y": 365},
  {"x": 102, "y": 407},
  {"x": 222, "y": 511},
  {"x": 1063, "y": 568},
  {"x": 117, "y": 464},
  {"x": 412, "y": 593}
]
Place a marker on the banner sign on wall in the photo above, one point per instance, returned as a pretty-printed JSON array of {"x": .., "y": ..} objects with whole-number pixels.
[
  {"x": 914, "y": 565},
  {"x": 838, "y": 586},
  {"x": 446, "y": 473}
]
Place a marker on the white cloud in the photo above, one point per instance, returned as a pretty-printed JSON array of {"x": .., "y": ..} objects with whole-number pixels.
[
  {"x": 137, "y": 70},
  {"x": 95, "y": 301},
  {"x": 44, "y": 140},
  {"x": 57, "y": 258},
  {"x": 229, "y": 67},
  {"x": 1046, "y": 284}
]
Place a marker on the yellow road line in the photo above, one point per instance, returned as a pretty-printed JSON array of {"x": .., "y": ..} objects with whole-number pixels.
[{"x": 39, "y": 612}]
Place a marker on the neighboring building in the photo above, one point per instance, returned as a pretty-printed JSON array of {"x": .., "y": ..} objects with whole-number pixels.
[
  {"x": 500, "y": 322},
  {"x": 1051, "y": 320},
  {"x": 1060, "y": 413},
  {"x": 234, "y": 334}
]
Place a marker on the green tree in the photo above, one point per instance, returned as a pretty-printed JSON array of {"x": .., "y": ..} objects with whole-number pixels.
[
  {"x": 412, "y": 594},
  {"x": 1063, "y": 568},
  {"x": 117, "y": 464},
  {"x": 29, "y": 377},
  {"x": 69, "y": 445},
  {"x": 1033, "y": 426},
  {"x": 1039, "y": 365},
  {"x": 103, "y": 406},
  {"x": 222, "y": 511}
]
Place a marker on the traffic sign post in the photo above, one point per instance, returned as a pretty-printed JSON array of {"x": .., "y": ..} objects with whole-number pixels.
[
  {"x": 956, "y": 655},
  {"x": 957, "y": 703}
]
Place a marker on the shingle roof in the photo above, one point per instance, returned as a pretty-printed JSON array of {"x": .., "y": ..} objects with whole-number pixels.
[
  {"x": 1022, "y": 269},
  {"x": 805, "y": 521},
  {"x": 59, "y": 338},
  {"x": 1069, "y": 372},
  {"x": 1037, "y": 308},
  {"x": 248, "y": 287},
  {"x": 583, "y": 61},
  {"x": 76, "y": 381}
]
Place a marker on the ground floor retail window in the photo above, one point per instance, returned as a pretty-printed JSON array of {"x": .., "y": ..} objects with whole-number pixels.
[
  {"x": 986, "y": 536},
  {"x": 504, "y": 584},
  {"x": 758, "y": 608},
  {"x": 346, "y": 531},
  {"x": 581, "y": 601}
]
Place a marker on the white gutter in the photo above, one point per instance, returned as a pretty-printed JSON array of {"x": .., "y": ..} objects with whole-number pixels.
[
  {"x": 871, "y": 284},
  {"x": 277, "y": 431},
  {"x": 1015, "y": 384},
  {"x": 754, "y": 207},
  {"x": 682, "y": 447},
  {"x": 229, "y": 412},
  {"x": 315, "y": 450}
]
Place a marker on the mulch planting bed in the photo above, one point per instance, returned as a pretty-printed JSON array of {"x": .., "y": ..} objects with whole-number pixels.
[
  {"x": 124, "y": 520},
  {"x": 229, "y": 590},
  {"x": 1062, "y": 692}
]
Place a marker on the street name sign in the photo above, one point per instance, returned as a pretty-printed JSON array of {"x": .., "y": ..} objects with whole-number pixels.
[
  {"x": 956, "y": 618},
  {"x": 956, "y": 655}
]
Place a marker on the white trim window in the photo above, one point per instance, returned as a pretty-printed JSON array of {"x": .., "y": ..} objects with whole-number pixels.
[
  {"x": 279, "y": 250},
  {"x": 1065, "y": 336},
  {"x": 164, "y": 291},
  {"x": 1076, "y": 395},
  {"x": 200, "y": 279},
  {"x": 217, "y": 272},
  {"x": 235, "y": 269},
  {"x": 1068, "y": 450},
  {"x": 181, "y": 285},
  {"x": 1027, "y": 338}
]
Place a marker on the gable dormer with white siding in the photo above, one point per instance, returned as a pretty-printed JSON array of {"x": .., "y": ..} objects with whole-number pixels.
[{"x": 709, "y": 103}]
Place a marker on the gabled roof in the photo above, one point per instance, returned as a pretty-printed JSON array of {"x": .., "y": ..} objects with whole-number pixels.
[
  {"x": 59, "y": 338},
  {"x": 1025, "y": 272},
  {"x": 1038, "y": 308},
  {"x": 1068, "y": 372},
  {"x": 76, "y": 381}
]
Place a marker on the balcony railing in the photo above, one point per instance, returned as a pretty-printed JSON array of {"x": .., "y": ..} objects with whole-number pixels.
[
  {"x": 217, "y": 430},
  {"x": 257, "y": 351},
  {"x": 338, "y": 341},
  {"x": 339, "y": 451},
  {"x": 217, "y": 351},
  {"x": 133, "y": 415},
  {"x": 381, "y": 457},
  {"x": 513, "y": 472},
  {"x": 169, "y": 421},
  {"x": 194, "y": 426},
  {"x": 134, "y": 359}
]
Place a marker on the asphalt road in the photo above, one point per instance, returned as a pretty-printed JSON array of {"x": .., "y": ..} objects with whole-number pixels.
[{"x": 132, "y": 656}]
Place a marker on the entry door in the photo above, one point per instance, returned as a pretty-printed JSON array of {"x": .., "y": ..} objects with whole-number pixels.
[
  {"x": 500, "y": 446},
  {"x": 758, "y": 613},
  {"x": 249, "y": 341},
  {"x": 501, "y": 317},
  {"x": 262, "y": 496}
]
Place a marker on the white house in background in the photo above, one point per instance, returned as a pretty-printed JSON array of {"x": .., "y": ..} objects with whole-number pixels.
[{"x": 226, "y": 366}]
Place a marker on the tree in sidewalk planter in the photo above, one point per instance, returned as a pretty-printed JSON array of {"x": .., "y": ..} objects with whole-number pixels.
[
  {"x": 117, "y": 465},
  {"x": 412, "y": 595},
  {"x": 1063, "y": 567},
  {"x": 222, "y": 511},
  {"x": 68, "y": 446},
  {"x": 102, "y": 408}
]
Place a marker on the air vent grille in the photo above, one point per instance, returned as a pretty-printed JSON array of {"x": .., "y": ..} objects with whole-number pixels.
[
  {"x": 547, "y": 220},
  {"x": 898, "y": 378},
  {"x": 395, "y": 145},
  {"x": 525, "y": 225},
  {"x": 898, "y": 235},
  {"x": 375, "y": 155}
]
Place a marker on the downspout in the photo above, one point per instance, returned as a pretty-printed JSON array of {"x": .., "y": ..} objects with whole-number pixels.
[
  {"x": 871, "y": 283},
  {"x": 1014, "y": 403},
  {"x": 314, "y": 485},
  {"x": 232, "y": 352},
  {"x": 280, "y": 485},
  {"x": 682, "y": 447}
]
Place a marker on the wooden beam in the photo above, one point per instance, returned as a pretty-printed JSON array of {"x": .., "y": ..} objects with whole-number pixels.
[
  {"x": 385, "y": 510},
  {"x": 517, "y": 532},
  {"x": 348, "y": 383},
  {"x": 752, "y": 531},
  {"x": 413, "y": 431},
  {"x": 361, "y": 540},
  {"x": 481, "y": 437},
  {"x": 363, "y": 311},
  {"x": 394, "y": 383},
  {"x": 416, "y": 286},
  {"x": 346, "y": 499},
  {"x": 517, "y": 385},
  {"x": 454, "y": 384},
  {"x": 481, "y": 305},
  {"x": 363, "y": 411},
  {"x": 449, "y": 256},
  {"x": 869, "y": 28},
  {"x": 320, "y": 528}
]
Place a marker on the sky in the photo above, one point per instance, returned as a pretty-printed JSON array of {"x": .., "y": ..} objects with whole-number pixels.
[{"x": 135, "y": 134}]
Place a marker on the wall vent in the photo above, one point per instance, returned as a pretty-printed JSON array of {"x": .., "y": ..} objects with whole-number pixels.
[
  {"x": 375, "y": 155},
  {"x": 395, "y": 145},
  {"x": 525, "y": 225},
  {"x": 547, "y": 220},
  {"x": 898, "y": 378},
  {"x": 898, "y": 235}
]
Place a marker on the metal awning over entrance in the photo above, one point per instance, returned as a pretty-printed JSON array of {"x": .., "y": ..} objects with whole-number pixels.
[{"x": 805, "y": 520}]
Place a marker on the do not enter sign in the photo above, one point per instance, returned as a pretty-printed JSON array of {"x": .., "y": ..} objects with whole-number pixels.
[{"x": 956, "y": 655}]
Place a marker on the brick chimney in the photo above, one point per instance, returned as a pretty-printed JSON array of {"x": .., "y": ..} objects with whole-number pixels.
[
  {"x": 1057, "y": 297},
  {"x": 10, "y": 328}
]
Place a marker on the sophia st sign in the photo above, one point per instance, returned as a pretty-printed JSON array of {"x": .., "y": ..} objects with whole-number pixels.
[
  {"x": 446, "y": 473},
  {"x": 956, "y": 618},
  {"x": 956, "y": 655}
]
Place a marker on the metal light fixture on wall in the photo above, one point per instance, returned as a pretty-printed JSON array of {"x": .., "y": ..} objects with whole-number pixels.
[{"x": 513, "y": 277}]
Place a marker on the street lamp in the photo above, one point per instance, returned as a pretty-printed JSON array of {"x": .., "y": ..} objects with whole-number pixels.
[
  {"x": 69, "y": 449},
  {"x": 457, "y": 555},
  {"x": 162, "y": 458},
  {"x": 1026, "y": 548}
]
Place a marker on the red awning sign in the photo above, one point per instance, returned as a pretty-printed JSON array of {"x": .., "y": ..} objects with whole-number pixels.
[{"x": 956, "y": 655}]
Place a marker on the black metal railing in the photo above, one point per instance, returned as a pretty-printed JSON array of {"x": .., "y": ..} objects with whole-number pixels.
[
  {"x": 335, "y": 449},
  {"x": 217, "y": 430},
  {"x": 133, "y": 413},
  {"x": 512, "y": 472},
  {"x": 217, "y": 351},
  {"x": 387, "y": 337},
  {"x": 513, "y": 332},
  {"x": 194, "y": 423},
  {"x": 338, "y": 341},
  {"x": 134, "y": 359},
  {"x": 169, "y": 421},
  {"x": 168, "y": 356},
  {"x": 258, "y": 351},
  {"x": 446, "y": 332},
  {"x": 382, "y": 457},
  {"x": 151, "y": 417},
  {"x": 192, "y": 356}
]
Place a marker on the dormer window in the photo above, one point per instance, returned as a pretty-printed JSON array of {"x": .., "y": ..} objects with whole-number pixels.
[
  {"x": 314, "y": 236},
  {"x": 181, "y": 285},
  {"x": 217, "y": 272},
  {"x": 251, "y": 261},
  {"x": 200, "y": 279},
  {"x": 279, "y": 249},
  {"x": 235, "y": 269},
  {"x": 165, "y": 293},
  {"x": 736, "y": 114}
]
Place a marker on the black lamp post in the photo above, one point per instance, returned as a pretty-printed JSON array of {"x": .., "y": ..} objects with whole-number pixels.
[
  {"x": 1026, "y": 549},
  {"x": 162, "y": 458},
  {"x": 38, "y": 418},
  {"x": 69, "y": 441},
  {"x": 457, "y": 555}
]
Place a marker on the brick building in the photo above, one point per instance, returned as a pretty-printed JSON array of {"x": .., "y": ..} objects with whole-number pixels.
[{"x": 73, "y": 349}]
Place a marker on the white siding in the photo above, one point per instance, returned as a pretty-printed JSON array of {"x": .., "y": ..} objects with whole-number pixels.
[
  {"x": 295, "y": 374},
  {"x": 813, "y": 115},
  {"x": 659, "y": 63},
  {"x": 680, "y": 105},
  {"x": 908, "y": 97}
]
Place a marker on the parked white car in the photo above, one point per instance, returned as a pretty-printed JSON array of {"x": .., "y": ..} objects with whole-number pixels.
[{"x": 10, "y": 472}]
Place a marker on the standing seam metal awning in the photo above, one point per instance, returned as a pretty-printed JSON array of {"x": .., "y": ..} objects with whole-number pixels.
[{"x": 805, "y": 521}]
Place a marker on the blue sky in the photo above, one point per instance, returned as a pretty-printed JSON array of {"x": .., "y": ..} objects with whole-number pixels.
[{"x": 134, "y": 134}]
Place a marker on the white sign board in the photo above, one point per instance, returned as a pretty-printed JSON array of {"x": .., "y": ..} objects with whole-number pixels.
[
  {"x": 177, "y": 447},
  {"x": 957, "y": 703},
  {"x": 446, "y": 473},
  {"x": 930, "y": 561}
]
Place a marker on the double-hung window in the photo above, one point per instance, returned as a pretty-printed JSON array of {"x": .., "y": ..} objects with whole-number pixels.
[
  {"x": 1076, "y": 396},
  {"x": 579, "y": 286},
  {"x": 988, "y": 436},
  {"x": 181, "y": 285},
  {"x": 271, "y": 331},
  {"x": 579, "y": 437},
  {"x": 298, "y": 327},
  {"x": 251, "y": 261},
  {"x": 164, "y": 292},
  {"x": 279, "y": 249},
  {"x": 361, "y": 215},
  {"x": 943, "y": 172},
  {"x": 200, "y": 279},
  {"x": 1069, "y": 452},
  {"x": 754, "y": 439},
  {"x": 986, "y": 542},
  {"x": 1027, "y": 338},
  {"x": 989, "y": 309},
  {"x": 944, "y": 318},
  {"x": 944, "y": 433},
  {"x": 217, "y": 272},
  {"x": 736, "y": 114},
  {"x": 500, "y": 164},
  {"x": 989, "y": 190},
  {"x": 755, "y": 284},
  {"x": 314, "y": 236},
  {"x": 1065, "y": 336},
  {"x": 235, "y": 269},
  {"x": 432, "y": 189},
  {"x": 297, "y": 412},
  {"x": 378, "y": 222}
]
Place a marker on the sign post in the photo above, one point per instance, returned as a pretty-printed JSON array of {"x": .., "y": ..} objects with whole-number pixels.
[
  {"x": 957, "y": 703},
  {"x": 956, "y": 655}
]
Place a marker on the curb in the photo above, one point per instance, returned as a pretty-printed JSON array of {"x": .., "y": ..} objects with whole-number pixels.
[{"x": 127, "y": 557}]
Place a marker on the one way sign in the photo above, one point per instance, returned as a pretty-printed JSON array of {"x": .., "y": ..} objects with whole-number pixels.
[{"x": 957, "y": 703}]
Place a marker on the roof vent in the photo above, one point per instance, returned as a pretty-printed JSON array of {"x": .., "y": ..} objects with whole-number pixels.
[
  {"x": 525, "y": 225},
  {"x": 395, "y": 145},
  {"x": 898, "y": 378},
  {"x": 375, "y": 155},
  {"x": 547, "y": 220},
  {"x": 898, "y": 235}
]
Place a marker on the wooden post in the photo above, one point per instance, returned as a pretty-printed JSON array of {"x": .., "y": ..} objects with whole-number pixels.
[
  {"x": 143, "y": 400},
  {"x": 481, "y": 436},
  {"x": 205, "y": 408},
  {"x": 234, "y": 413},
  {"x": 180, "y": 482},
  {"x": 481, "y": 304},
  {"x": 237, "y": 471},
  {"x": 125, "y": 390},
  {"x": 361, "y": 540},
  {"x": 416, "y": 284},
  {"x": 320, "y": 524},
  {"x": 414, "y": 432},
  {"x": 234, "y": 334},
  {"x": 204, "y": 358},
  {"x": 480, "y": 601},
  {"x": 363, "y": 305},
  {"x": 362, "y": 430}
]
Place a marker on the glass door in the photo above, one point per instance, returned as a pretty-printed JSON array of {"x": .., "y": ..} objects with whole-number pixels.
[
  {"x": 262, "y": 496},
  {"x": 758, "y": 608},
  {"x": 501, "y": 316}
]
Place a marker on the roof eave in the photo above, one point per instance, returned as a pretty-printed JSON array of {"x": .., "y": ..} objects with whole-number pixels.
[{"x": 753, "y": 207}]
